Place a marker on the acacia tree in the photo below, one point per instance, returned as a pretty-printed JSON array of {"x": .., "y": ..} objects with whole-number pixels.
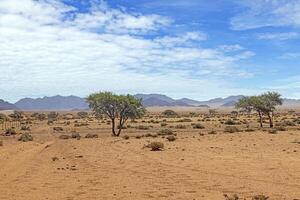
[
  {"x": 264, "y": 104},
  {"x": 270, "y": 100},
  {"x": 249, "y": 104},
  {"x": 119, "y": 108}
]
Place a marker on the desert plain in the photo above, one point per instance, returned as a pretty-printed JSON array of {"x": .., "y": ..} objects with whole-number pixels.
[{"x": 213, "y": 157}]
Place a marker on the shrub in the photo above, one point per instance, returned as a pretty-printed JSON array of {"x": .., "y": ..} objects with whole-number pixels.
[
  {"x": 185, "y": 120},
  {"x": 230, "y": 122},
  {"x": 171, "y": 138},
  {"x": 231, "y": 129},
  {"x": 233, "y": 197},
  {"x": 249, "y": 130},
  {"x": 138, "y": 136},
  {"x": 126, "y": 137},
  {"x": 180, "y": 126},
  {"x": 82, "y": 114},
  {"x": 142, "y": 127},
  {"x": 170, "y": 113},
  {"x": 64, "y": 137},
  {"x": 25, "y": 128},
  {"x": 25, "y": 137},
  {"x": 165, "y": 132},
  {"x": 198, "y": 126},
  {"x": 273, "y": 131},
  {"x": 163, "y": 124},
  {"x": 90, "y": 135},
  {"x": 10, "y": 131},
  {"x": 156, "y": 146},
  {"x": 281, "y": 128},
  {"x": 212, "y": 132},
  {"x": 76, "y": 136},
  {"x": 260, "y": 197},
  {"x": 52, "y": 116},
  {"x": 1, "y": 143},
  {"x": 58, "y": 129}
]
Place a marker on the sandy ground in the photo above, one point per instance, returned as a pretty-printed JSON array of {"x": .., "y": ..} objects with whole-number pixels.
[{"x": 192, "y": 167}]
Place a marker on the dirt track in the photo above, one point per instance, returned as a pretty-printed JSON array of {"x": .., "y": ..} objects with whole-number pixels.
[{"x": 192, "y": 167}]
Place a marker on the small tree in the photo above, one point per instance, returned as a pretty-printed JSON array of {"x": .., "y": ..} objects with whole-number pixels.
[
  {"x": 270, "y": 100},
  {"x": 119, "y": 108},
  {"x": 252, "y": 103},
  {"x": 264, "y": 104}
]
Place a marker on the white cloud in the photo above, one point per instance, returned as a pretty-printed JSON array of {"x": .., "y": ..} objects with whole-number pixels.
[
  {"x": 45, "y": 50},
  {"x": 262, "y": 13},
  {"x": 290, "y": 55},
  {"x": 278, "y": 36}
]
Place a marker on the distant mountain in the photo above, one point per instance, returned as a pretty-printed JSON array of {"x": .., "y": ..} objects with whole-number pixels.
[
  {"x": 4, "y": 105},
  {"x": 229, "y": 104},
  {"x": 150, "y": 100},
  {"x": 223, "y": 102},
  {"x": 52, "y": 103}
]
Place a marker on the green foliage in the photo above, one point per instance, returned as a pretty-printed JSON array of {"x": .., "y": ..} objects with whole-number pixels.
[
  {"x": 121, "y": 107},
  {"x": 170, "y": 113},
  {"x": 264, "y": 104},
  {"x": 52, "y": 116},
  {"x": 82, "y": 114}
]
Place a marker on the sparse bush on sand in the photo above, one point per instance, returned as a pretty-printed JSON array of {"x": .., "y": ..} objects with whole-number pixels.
[
  {"x": 64, "y": 137},
  {"x": 171, "y": 138},
  {"x": 198, "y": 126},
  {"x": 76, "y": 136},
  {"x": 156, "y": 146},
  {"x": 25, "y": 137},
  {"x": 90, "y": 135},
  {"x": 165, "y": 132},
  {"x": 231, "y": 129},
  {"x": 260, "y": 197}
]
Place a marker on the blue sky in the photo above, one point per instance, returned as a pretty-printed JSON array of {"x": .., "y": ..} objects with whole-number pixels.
[{"x": 182, "y": 48}]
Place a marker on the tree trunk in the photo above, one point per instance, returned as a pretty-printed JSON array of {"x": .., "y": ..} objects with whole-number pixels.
[
  {"x": 120, "y": 127},
  {"x": 271, "y": 120},
  {"x": 113, "y": 127},
  {"x": 260, "y": 119}
]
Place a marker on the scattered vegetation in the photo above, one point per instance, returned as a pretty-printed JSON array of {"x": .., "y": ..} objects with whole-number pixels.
[{"x": 25, "y": 137}]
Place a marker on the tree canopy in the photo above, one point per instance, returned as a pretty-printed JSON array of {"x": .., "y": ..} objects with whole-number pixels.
[
  {"x": 264, "y": 104},
  {"x": 116, "y": 107}
]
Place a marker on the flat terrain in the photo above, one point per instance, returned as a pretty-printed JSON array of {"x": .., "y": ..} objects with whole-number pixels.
[{"x": 198, "y": 165}]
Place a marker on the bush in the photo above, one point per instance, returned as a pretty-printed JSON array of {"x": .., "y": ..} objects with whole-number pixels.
[
  {"x": 273, "y": 131},
  {"x": 1, "y": 143},
  {"x": 230, "y": 122},
  {"x": 25, "y": 137},
  {"x": 233, "y": 197},
  {"x": 25, "y": 128},
  {"x": 82, "y": 115},
  {"x": 156, "y": 146},
  {"x": 212, "y": 132},
  {"x": 10, "y": 131},
  {"x": 58, "y": 129},
  {"x": 165, "y": 132},
  {"x": 126, "y": 137},
  {"x": 231, "y": 129},
  {"x": 170, "y": 113},
  {"x": 198, "y": 126},
  {"x": 185, "y": 120},
  {"x": 64, "y": 137},
  {"x": 180, "y": 126},
  {"x": 249, "y": 130},
  {"x": 142, "y": 127},
  {"x": 163, "y": 124},
  {"x": 281, "y": 128},
  {"x": 76, "y": 136},
  {"x": 260, "y": 197},
  {"x": 171, "y": 138},
  {"x": 90, "y": 135}
]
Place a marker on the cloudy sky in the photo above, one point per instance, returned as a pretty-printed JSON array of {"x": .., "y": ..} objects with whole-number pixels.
[{"x": 199, "y": 49}]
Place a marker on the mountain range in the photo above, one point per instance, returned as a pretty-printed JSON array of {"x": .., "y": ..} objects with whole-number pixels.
[{"x": 149, "y": 100}]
